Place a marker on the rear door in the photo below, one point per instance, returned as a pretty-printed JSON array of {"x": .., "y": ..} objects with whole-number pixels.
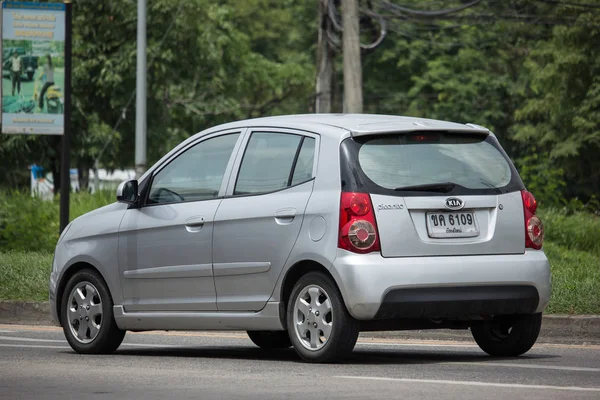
[
  {"x": 439, "y": 193},
  {"x": 257, "y": 225}
]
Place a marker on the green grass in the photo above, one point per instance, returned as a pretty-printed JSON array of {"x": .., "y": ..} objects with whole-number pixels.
[
  {"x": 575, "y": 278},
  {"x": 575, "y": 281},
  {"x": 24, "y": 275}
]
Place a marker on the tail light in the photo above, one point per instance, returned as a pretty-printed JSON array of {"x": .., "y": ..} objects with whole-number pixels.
[
  {"x": 358, "y": 228},
  {"x": 534, "y": 228}
]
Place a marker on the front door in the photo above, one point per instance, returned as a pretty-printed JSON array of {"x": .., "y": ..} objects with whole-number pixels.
[
  {"x": 165, "y": 258},
  {"x": 257, "y": 226}
]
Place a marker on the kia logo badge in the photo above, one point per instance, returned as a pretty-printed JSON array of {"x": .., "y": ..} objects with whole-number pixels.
[{"x": 454, "y": 203}]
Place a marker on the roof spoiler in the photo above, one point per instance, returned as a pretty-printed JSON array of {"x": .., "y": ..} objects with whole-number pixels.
[
  {"x": 475, "y": 126},
  {"x": 466, "y": 129}
]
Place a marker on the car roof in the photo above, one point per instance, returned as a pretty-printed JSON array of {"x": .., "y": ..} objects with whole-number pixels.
[
  {"x": 339, "y": 126},
  {"x": 356, "y": 124}
]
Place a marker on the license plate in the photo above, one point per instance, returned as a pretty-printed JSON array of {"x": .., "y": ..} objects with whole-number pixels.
[{"x": 451, "y": 224}]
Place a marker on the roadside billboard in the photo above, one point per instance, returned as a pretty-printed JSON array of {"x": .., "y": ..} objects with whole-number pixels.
[{"x": 33, "y": 74}]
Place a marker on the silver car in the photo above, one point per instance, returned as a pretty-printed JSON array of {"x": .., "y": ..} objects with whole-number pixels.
[{"x": 305, "y": 230}]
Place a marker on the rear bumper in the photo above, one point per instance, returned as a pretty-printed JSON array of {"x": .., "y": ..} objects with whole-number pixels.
[
  {"x": 458, "y": 302},
  {"x": 375, "y": 287}
]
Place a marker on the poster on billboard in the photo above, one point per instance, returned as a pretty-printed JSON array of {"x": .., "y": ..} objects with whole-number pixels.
[{"x": 33, "y": 73}]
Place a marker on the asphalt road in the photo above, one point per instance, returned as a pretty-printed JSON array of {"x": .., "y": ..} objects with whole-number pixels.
[{"x": 36, "y": 362}]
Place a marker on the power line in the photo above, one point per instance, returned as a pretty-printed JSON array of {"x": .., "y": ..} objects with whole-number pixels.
[
  {"x": 334, "y": 19},
  {"x": 428, "y": 14},
  {"x": 568, "y": 3}
]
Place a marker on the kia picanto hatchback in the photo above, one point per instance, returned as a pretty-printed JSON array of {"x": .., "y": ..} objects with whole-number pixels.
[{"x": 305, "y": 230}]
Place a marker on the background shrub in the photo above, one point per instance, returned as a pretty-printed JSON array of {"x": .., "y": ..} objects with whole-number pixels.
[
  {"x": 578, "y": 230},
  {"x": 31, "y": 224}
]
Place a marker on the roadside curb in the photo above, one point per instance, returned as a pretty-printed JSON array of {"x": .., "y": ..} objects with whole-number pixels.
[
  {"x": 575, "y": 329},
  {"x": 25, "y": 312}
]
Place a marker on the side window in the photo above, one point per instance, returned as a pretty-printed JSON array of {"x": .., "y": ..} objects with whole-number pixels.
[
  {"x": 195, "y": 174},
  {"x": 267, "y": 163},
  {"x": 306, "y": 158}
]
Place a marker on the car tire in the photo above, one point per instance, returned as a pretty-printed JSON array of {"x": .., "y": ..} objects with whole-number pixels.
[
  {"x": 320, "y": 328},
  {"x": 87, "y": 315},
  {"x": 270, "y": 340},
  {"x": 508, "y": 336}
]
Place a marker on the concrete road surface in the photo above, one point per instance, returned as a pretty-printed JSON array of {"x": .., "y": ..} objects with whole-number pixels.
[{"x": 37, "y": 363}]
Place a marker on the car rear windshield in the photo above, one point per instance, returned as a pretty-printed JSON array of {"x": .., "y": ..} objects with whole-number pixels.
[{"x": 432, "y": 162}]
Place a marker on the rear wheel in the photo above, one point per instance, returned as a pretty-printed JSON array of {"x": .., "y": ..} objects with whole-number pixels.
[
  {"x": 508, "y": 336},
  {"x": 87, "y": 315},
  {"x": 270, "y": 339},
  {"x": 320, "y": 327}
]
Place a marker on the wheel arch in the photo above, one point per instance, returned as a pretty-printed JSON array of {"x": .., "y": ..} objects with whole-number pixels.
[
  {"x": 66, "y": 275},
  {"x": 295, "y": 272}
]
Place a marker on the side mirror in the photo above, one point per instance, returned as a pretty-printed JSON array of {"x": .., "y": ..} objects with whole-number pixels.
[{"x": 127, "y": 192}]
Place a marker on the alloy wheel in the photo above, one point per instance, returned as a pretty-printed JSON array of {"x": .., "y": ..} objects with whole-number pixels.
[
  {"x": 84, "y": 311},
  {"x": 313, "y": 317}
]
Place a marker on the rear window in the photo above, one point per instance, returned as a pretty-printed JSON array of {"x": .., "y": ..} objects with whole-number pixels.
[{"x": 410, "y": 162}]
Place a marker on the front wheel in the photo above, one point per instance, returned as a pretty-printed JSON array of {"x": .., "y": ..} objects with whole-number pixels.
[
  {"x": 30, "y": 75},
  {"x": 87, "y": 315},
  {"x": 320, "y": 327},
  {"x": 508, "y": 336}
]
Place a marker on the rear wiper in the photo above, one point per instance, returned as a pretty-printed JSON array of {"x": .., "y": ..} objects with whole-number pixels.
[
  {"x": 429, "y": 187},
  {"x": 497, "y": 190}
]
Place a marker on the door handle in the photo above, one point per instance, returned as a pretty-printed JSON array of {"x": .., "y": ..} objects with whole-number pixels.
[
  {"x": 285, "y": 216},
  {"x": 194, "y": 224}
]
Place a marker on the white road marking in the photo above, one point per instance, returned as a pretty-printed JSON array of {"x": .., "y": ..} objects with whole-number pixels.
[
  {"x": 473, "y": 383},
  {"x": 475, "y": 364},
  {"x": 416, "y": 344},
  {"x": 531, "y": 366},
  {"x": 23, "y": 339},
  {"x": 33, "y": 346}
]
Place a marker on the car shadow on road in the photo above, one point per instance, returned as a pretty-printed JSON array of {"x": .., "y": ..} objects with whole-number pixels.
[{"x": 358, "y": 357}]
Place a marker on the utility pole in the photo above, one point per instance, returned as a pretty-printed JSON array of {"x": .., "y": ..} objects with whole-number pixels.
[
  {"x": 140, "y": 101},
  {"x": 353, "y": 101},
  {"x": 324, "y": 62},
  {"x": 65, "y": 168}
]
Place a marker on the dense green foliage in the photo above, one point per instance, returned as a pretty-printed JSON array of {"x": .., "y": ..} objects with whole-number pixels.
[{"x": 528, "y": 70}]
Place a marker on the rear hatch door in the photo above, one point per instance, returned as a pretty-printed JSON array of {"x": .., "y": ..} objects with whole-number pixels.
[{"x": 438, "y": 193}]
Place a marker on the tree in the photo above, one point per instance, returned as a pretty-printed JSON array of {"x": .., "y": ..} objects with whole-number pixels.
[
  {"x": 561, "y": 117},
  {"x": 208, "y": 63}
]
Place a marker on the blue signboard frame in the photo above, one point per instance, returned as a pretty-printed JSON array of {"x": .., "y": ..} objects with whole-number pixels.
[{"x": 33, "y": 68}]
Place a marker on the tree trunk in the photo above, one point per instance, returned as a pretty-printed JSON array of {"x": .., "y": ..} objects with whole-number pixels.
[{"x": 324, "y": 63}]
